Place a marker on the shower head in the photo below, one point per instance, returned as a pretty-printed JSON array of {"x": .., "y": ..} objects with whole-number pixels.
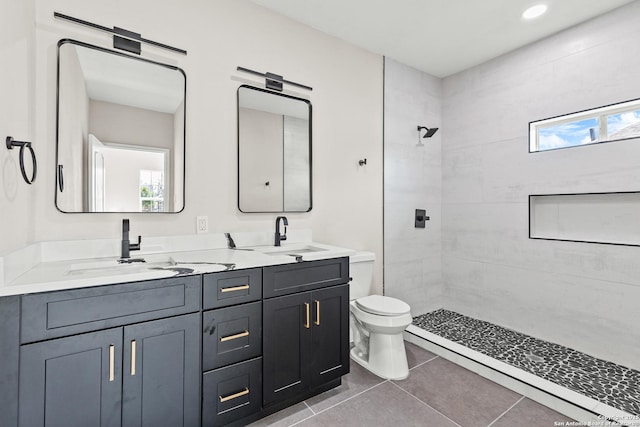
[{"x": 429, "y": 132}]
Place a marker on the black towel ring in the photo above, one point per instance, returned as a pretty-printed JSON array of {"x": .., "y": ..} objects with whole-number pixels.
[{"x": 23, "y": 144}]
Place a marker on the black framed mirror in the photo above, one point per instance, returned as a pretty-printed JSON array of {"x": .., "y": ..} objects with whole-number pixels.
[
  {"x": 120, "y": 132},
  {"x": 274, "y": 151}
]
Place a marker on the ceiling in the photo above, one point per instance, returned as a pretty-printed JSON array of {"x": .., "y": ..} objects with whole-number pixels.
[
  {"x": 124, "y": 80},
  {"x": 439, "y": 37}
]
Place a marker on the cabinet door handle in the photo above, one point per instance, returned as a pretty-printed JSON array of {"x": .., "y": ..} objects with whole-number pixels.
[
  {"x": 133, "y": 357},
  {"x": 234, "y": 336},
  {"x": 112, "y": 350},
  {"x": 307, "y": 324},
  {"x": 234, "y": 396},
  {"x": 234, "y": 288},
  {"x": 317, "y": 322}
]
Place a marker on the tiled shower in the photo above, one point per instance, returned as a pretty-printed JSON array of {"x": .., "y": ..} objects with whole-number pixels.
[{"x": 474, "y": 260}]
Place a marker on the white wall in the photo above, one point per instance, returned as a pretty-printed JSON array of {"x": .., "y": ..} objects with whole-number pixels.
[
  {"x": 581, "y": 295},
  {"x": 122, "y": 169},
  {"x": 72, "y": 131},
  {"x": 412, "y": 180},
  {"x": 139, "y": 127},
  {"x": 17, "y": 120},
  {"x": 136, "y": 126},
  {"x": 274, "y": 148},
  {"x": 219, "y": 36},
  {"x": 296, "y": 164},
  {"x": 260, "y": 143}
]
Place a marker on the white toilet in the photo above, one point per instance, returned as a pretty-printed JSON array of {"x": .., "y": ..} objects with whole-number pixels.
[{"x": 376, "y": 323}]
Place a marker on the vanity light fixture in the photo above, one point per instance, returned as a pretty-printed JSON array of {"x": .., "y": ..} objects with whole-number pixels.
[
  {"x": 122, "y": 39},
  {"x": 273, "y": 81},
  {"x": 534, "y": 11}
]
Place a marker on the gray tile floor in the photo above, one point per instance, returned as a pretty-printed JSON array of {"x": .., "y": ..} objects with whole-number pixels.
[{"x": 437, "y": 393}]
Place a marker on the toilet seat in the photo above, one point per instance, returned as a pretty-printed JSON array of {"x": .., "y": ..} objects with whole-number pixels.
[{"x": 383, "y": 306}]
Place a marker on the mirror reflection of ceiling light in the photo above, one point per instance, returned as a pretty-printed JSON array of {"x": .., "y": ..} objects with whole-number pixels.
[{"x": 534, "y": 11}]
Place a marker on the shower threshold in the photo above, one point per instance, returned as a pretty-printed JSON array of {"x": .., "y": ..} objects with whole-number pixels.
[{"x": 605, "y": 389}]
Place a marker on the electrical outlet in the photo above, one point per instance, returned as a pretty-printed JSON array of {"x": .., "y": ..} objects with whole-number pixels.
[{"x": 202, "y": 224}]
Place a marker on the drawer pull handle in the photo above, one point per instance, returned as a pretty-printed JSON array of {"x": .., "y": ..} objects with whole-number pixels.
[
  {"x": 234, "y": 288},
  {"x": 235, "y": 336},
  {"x": 307, "y": 324},
  {"x": 234, "y": 396},
  {"x": 317, "y": 322},
  {"x": 133, "y": 357},
  {"x": 111, "y": 362}
]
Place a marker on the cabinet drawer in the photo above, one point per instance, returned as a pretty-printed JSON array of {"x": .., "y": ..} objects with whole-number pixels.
[
  {"x": 232, "y": 287},
  {"x": 231, "y": 334},
  {"x": 305, "y": 276},
  {"x": 55, "y": 314},
  {"x": 231, "y": 393}
]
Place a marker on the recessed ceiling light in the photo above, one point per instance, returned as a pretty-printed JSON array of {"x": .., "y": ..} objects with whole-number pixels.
[{"x": 534, "y": 11}]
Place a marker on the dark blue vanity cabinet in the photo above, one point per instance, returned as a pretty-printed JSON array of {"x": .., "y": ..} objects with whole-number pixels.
[
  {"x": 298, "y": 315},
  {"x": 214, "y": 349},
  {"x": 94, "y": 357},
  {"x": 306, "y": 329}
]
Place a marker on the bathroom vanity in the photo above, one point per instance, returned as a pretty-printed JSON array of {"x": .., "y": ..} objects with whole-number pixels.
[{"x": 207, "y": 349}]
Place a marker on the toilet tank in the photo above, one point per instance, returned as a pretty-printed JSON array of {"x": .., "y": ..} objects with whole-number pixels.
[{"x": 361, "y": 272}]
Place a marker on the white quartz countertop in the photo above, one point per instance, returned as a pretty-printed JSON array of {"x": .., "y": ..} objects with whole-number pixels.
[
  {"x": 78, "y": 273},
  {"x": 59, "y": 275}
]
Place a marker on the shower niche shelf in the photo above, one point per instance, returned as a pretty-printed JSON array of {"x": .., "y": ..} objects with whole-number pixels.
[{"x": 605, "y": 218}]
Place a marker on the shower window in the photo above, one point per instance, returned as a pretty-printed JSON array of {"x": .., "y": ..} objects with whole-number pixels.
[{"x": 603, "y": 124}]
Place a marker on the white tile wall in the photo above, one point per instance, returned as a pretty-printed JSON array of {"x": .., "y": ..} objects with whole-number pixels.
[
  {"x": 577, "y": 294},
  {"x": 412, "y": 180}
]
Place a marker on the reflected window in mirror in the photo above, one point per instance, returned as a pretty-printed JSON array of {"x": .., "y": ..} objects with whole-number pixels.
[
  {"x": 274, "y": 151},
  {"x": 120, "y": 132}
]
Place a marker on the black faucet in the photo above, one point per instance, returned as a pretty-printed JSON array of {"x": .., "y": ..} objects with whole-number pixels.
[
  {"x": 230, "y": 243},
  {"x": 281, "y": 237},
  {"x": 126, "y": 245}
]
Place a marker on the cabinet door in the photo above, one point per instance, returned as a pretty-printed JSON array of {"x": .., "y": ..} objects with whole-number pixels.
[
  {"x": 74, "y": 381},
  {"x": 330, "y": 334},
  {"x": 286, "y": 346},
  {"x": 161, "y": 378}
]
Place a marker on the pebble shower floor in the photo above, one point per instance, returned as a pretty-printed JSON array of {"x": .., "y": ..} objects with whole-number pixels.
[{"x": 606, "y": 382}]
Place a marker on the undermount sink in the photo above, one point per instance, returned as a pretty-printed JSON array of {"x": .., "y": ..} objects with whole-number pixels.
[
  {"x": 116, "y": 267},
  {"x": 308, "y": 251},
  {"x": 145, "y": 263},
  {"x": 290, "y": 249}
]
